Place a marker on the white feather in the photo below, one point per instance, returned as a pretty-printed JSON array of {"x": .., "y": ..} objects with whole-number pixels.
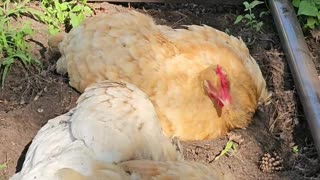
[{"x": 112, "y": 122}]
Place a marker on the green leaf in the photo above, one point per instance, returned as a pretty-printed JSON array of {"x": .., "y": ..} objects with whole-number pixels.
[
  {"x": 56, "y": 3},
  {"x": 239, "y": 18},
  {"x": 27, "y": 30},
  {"x": 296, "y": 3},
  {"x": 307, "y": 8},
  {"x": 60, "y": 16},
  {"x": 4, "y": 74},
  {"x": 3, "y": 165},
  {"x": 254, "y": 22},
  {"x": 258, "y": 26},
  {"x": 76, "y": 8},
  {"x": 311, "y": 22},
  {"x": 80, "y": 18},
  {"x": 248, "y": 16},
  {"x": 262, "y": 13},
  {"x": 229, "y": 147},
  {"x": 25, "y": 59},
  {"x": 1, "y": 11},
  {"x": 8, "y": 61},
  {"x": 255, "y": 3},
  {"x": 53, "y": 30},
  {"x": 87, "y": 10},
  {"x": 295, "y": 149},
  {"x": 246, "y": 5},
  {"x": 63, "y": 6},
  {"x": 74, "y": 19}
]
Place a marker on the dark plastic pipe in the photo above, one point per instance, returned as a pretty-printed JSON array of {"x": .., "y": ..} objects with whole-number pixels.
[{"x": 300, "y": 63}]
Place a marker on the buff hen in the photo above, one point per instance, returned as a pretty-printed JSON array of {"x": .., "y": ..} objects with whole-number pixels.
[
  {"x": 202, "y": 82},
  {"x": 113, "y": 122}
]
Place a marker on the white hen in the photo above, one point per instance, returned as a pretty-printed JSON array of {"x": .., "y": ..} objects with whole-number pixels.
[{"x": 112, "y": 122}]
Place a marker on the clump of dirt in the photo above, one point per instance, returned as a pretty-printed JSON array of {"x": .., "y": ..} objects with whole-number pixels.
[{"x": 30, "y": 98}]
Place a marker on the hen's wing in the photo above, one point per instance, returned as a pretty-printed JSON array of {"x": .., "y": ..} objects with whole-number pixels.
[{"x": 119, "y": 123}]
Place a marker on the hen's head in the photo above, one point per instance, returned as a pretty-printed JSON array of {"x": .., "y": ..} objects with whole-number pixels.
[{"x": 217, "y": 86}]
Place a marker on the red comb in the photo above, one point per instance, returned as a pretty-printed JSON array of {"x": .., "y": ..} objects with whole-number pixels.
[{"x": 220, "y": 73}]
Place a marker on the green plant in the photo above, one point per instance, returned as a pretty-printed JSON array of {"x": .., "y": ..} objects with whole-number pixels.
[
  {"x": 295, "y": 149},
  {"x": 308, "y": 12},
  {"x": 17, "y": 8},
  {"x": 250, "y": 18},
  {"x": 228, "y": 149},
  {"x": 70, "y": 13},
  {"x": 12, "y": 40},
  {"x": 3, "y": 165},
  {"x": 13, "y": 46}
]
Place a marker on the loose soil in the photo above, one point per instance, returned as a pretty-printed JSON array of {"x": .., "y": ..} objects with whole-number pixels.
[{"x": 31, "y": 97}]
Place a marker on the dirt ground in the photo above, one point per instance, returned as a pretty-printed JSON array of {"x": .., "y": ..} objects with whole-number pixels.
[{"x": 31, "y": 97}]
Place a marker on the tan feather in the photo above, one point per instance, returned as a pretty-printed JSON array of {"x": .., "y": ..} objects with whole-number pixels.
[{"x": 170, "y": 66}]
